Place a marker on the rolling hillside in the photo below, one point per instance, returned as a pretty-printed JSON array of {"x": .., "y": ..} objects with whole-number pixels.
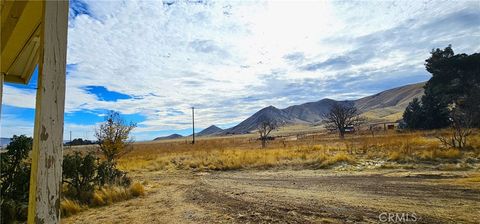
[
  {"x": 172, "y": 136},
  {"x": 390, "y": 104},
  {"x": 384, "y": 106},
  {"x": 212, "y": 130}
]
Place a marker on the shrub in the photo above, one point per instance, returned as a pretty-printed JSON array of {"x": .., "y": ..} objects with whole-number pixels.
[
  {"x": 79, "y": 175},
  {"x": 85, "y": 177},
  {"x": 90, "y": 183},
  {"x": 14, "y": 179},
  {"x": 109, "y": 175}
]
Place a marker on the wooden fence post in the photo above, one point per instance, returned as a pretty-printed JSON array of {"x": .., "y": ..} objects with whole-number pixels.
[{"x": 46, "y": 176}]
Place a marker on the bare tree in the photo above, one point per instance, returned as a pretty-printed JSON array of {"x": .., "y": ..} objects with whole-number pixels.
[
  {"x": 461, "y": 127},
  {"x": 264, "y": 129},
  {"x": 113, "y": 137},
  {"x": 342, "y": 116}
]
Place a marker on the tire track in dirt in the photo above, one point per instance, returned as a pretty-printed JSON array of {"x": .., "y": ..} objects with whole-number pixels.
[
  {"x": 249, "y": 198},
  {"x": 289, "y": 197}
]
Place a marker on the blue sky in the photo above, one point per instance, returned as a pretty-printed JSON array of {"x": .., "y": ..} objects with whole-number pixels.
[{"x": 152, "y": 60}]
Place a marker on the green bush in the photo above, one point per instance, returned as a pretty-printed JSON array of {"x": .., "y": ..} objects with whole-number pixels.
[
  {"x": 82, "y": 174},
  {"x": 14, "y": 179},
  {"x": 108, "y": 174},
  {"x": 79, "y": 175}
]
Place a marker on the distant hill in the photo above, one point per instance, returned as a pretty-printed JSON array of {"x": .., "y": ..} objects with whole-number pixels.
[
  {"x": 268, "y": 113},
  {"x": 390, "y": 104},
  {"x": 172, "y": 136},
  {"x": 4, "y": 142},
  {"x": 212, "y": 130},
  {"x": 387, "y": 106}
]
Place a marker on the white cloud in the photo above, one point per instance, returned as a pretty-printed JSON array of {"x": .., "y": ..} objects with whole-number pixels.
[{"x": 19, "y": 97}]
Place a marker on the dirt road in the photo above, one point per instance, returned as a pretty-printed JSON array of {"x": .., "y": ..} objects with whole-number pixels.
[{"x": 306, "y": 196}]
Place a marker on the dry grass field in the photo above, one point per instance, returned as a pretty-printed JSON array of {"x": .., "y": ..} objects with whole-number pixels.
[
  {"x": 301, "y": 178},
  {"x": 306, "y": 151}
]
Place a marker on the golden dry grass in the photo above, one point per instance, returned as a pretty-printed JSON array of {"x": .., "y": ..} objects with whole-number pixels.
[
  {"x": 109, "y": 195},
  {"x": 470, "y": 181},
  {"x": 314, "y": 150},
  {"x": 137, "y": 189},
  {"x": 102, "y": 196},
  {"x": 70, "y": 207},
  {"x": 475, "y": 178}
]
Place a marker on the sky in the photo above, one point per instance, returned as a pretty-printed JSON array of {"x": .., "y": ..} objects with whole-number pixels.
[{"x": 153, "y": 60}]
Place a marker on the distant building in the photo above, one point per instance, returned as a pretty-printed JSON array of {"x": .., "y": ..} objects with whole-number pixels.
[
  {"x": 349, "y": 129},
  {"x": 385, "y": 125}
]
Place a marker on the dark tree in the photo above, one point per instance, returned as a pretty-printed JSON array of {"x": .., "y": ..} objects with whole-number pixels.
[
  {"x": 12, "y": 167},
  {"x": 15, "y": 179},
  {"x": 454, "y": 76},
  {"x": 455, "y": 81},
  {"x": 471, "y": 106},
  {"x": 342, "y": 116},
  {"x": 264, "y": 129},
  {"x": 413, "y": 116},
  {"x": 80, "y": 141},
  {"x": 435, "y": 113}
]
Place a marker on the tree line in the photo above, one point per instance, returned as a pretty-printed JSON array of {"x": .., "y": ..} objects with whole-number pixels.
[
  {"x": 451, "y": 99},
  {"x": 451, "y": 95}
]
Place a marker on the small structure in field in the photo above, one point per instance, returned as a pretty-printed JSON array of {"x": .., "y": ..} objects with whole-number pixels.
[{"x": 385, "y": 125}]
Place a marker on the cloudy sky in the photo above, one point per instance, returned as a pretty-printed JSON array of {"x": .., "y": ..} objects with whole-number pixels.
[{"x": 153, "y": 60}]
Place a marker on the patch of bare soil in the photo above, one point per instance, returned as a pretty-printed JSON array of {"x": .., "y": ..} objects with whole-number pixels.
[{"x": 306, "y": 196}]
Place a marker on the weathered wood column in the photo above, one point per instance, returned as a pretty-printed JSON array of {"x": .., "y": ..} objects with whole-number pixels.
[
  {"x": 45, "y": 179},
  {"x": 1, "y": 92}
]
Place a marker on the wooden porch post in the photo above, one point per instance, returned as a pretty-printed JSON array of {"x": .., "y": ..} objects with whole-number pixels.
[
  {"x": 45, "y": 179},
  {"x": 1, "y": 92}
]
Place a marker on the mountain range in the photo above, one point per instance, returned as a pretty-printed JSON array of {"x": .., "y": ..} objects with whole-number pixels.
[
  {"x": 212, "y": 130},
  {"x": 387, "y": 105}
]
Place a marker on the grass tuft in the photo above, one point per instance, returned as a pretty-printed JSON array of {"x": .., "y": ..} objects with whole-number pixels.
[
  {"x": 69, "y": 207},
  {"x": 137, "y": 189},
  {"x": 109, "y": 195}
]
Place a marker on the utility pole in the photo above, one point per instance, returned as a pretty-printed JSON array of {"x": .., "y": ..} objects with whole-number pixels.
[
  {"x": 193, "y": 125},
  {"x": 70, "y": 144}
]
